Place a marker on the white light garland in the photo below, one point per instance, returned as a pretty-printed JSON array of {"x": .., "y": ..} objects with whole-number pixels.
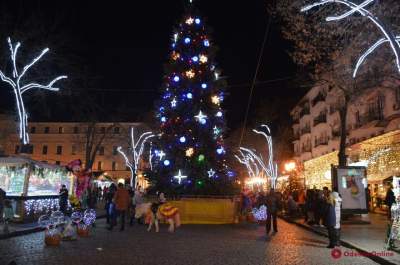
[
  {"x": 389, "y": 36},
  {"x": 19, "y": 89},
  {"x": 36, "y": 206},
  {"x": 137, "y": 148}
]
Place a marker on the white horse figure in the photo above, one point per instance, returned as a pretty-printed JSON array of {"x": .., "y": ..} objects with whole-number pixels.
[{"x": 146, "y": 210}]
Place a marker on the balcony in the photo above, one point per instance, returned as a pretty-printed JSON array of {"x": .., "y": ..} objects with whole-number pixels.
[
  {"x": 320, "y": 119},
  {"x": 336, "y": 133},
  {"x": 306, "y": 149},
  {"x": 304, "y": 111},
  {"x": 321, "y": 141},
  {"x": 318, "y": 98},
  {"x": 368, "y": 117},
  {"x": 305, "y": 130}
]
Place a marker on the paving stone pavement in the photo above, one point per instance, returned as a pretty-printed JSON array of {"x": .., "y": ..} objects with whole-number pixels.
[{"x": 190, "y": 245}]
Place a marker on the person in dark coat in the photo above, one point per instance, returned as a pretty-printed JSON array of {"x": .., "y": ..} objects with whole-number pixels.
[
  {"x": 330, "y": 220},
  {"x": 108, "y": 205},
  {"x": 63, "y": 200},
  {"x": 272, "y": 202},
  {"x": 389, "y": 200}
]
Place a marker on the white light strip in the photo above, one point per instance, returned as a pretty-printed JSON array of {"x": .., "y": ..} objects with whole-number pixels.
[
  {"x": 395, "y": 46},
  {"x": 19, "y": 89}
]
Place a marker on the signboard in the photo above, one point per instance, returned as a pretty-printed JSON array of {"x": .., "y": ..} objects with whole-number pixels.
[{"x": 351, "y": 183}]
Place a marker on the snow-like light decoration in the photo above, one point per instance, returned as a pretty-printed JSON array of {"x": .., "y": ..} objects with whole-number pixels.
[
  {"x": 190, "y": 73},
  {"x": 173, "y": 103},
  {"x": 197, "y": 21},
  {"x": 187, "y": 40},
  {"x": 211, "y": 173},
  {"x": 201, "y": 117},
  {"x": 204, "y": 85},
  {"x": 160, "y": 154},
  {"x": 189, "y": 152},
  {"x": 176, "y": 78},
  {"x": 166, "y": 162},
  {"x": 189, "y": 21},
  {"x": 163, "y": 119},
  {"x": 215, "y": 99},
  {"x": 206, "y": 43},
  {"x": 195, "y": 58},
  {"x": 216, "y": 130},
  {"x": 203, "y": 58},
  {"x": 219, "y": 114},
  {"x": 220, "y": 150},
  {"x": 19, "y": 89},
  {"x": 216, "y": 74},
  {"x": 359, "y": 8},
  {"x": 179, "y": 177},
  {"x": 182, "y": 139},
  {"x": 136, "y": 149},
  {"x": 175, "y": 37},
  {"x": 189, "y": 95},
  {"x": 251, "y": 165}
]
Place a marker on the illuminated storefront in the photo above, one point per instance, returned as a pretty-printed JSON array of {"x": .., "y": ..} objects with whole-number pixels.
[{"x": 381, "y": 156}]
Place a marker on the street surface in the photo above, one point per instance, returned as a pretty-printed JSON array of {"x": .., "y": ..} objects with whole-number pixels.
[{"x": 190, "y": 245}]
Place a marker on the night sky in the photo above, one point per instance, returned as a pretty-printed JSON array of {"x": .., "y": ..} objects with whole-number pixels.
[{"x": 122, "y": 45}]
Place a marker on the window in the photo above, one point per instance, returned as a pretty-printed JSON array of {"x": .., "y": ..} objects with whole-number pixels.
[
  {"x": 74, "y": 150},
  {"x": 60, "y": 129},
  {"x": 116, "y": 130},
  {"x": 16, "y": 149},
  {"x": 101, "y": 150},
  {"x": 46, "y": 129},
  {"x": 44, "y": 149},
  {"x": 76, "y": 130},
  {"x": 33, "y": 129},
  {"x": 29, "y": 149},
  {"x": 115, "y": 150},
  {"x": 99, "y": 165},
  {"x": 103, "y": 130},
  {"x": 59, "y": 150},
  {"x": 114, "y": 166},
  {"x": 58, "y": 163}
]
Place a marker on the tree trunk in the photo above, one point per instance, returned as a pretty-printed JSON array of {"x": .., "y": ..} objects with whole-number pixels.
[{"x": 343, "y": 134}]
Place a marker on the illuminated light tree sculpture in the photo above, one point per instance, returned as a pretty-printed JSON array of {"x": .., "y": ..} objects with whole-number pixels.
[
  {"x": 190, "y": 116},
  {"x": 250, "y": 159},
  {"x": 136, "y": 149},
  {"x": 389, "y": 37},
  {"x": 19, "y": 89}
]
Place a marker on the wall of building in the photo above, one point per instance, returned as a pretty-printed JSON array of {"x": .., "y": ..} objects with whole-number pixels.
[{"x": 60, "y": 143}]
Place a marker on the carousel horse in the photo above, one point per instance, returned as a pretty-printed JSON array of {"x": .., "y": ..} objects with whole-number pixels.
[{"x": 155, "y": 212}]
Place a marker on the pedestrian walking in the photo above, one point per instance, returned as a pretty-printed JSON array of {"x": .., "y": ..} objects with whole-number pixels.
[
  {"x": 63, "y": 200},
  {"x": 272, "y": 202},
  {"x": 330, "y": 220},
  {"x": 389, "y": 200},
  {"x": 338, "y": 205},
  {"x": 122, "y": 201},
  {"x": 109, "y": 195},
  {"x": 2, "y": 199},
  {"x": 8, "y": 214},
  {"x": 319, "y": 207}
]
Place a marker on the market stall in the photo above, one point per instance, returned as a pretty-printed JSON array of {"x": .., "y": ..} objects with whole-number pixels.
[{"x": 32, "y": 186}]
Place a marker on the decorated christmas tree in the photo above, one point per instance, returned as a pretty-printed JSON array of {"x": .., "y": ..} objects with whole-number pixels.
[{"x": 191, "y": 153}]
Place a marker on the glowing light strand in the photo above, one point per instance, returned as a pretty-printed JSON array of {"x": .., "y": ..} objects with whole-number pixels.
[
  {"x": 389, "y": 36},
  {"x": 19, "y": 89},
  {"x": 137, "y": 148},
  {"x": 272, "y": 168}
]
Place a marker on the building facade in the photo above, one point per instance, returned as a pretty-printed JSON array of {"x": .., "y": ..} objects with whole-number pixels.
[
  {"x": 61, "y": 142},
  {"x": 373, "y": 122}
]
